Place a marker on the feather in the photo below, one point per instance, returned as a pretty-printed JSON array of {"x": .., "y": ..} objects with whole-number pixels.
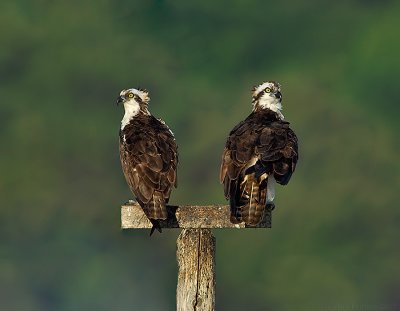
[{"x": 145, "y": 190}]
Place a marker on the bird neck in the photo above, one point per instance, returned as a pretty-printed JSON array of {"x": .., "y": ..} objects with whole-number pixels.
[
  {"x": 131, "y": 111},
  {"x": 267, "y": 103}
]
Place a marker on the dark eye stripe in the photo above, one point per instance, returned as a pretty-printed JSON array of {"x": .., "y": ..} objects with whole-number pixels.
[
  {"x": 257, "y": 97},
  {"x": 138, "y": 98}
]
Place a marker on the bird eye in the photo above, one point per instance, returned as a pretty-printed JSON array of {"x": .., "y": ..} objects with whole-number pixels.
[
  {"x": 267, "y": 90},
  {"x": 130, "y": 95}
]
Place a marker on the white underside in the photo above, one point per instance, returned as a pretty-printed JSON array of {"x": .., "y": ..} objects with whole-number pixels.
[
  {"x": 271, "y": 188},
  {"x": 131, "y": 109}
]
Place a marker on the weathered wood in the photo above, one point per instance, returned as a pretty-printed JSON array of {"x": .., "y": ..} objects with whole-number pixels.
[
  {"x": 196, "y": 276},
  {"x": 187, "y": 217}
]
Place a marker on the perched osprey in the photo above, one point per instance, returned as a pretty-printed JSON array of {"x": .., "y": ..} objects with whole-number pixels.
[
  {"x": 148, "y": 153},
  {"x": 260, "y": 151}
]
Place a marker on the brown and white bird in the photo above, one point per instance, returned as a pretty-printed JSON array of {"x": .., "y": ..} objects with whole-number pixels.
[
  {"x": 260, "y": 151},
  {"x": 149, "y": 155}
]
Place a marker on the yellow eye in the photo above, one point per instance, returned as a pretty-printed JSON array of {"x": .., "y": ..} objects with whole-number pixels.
[
  {"x": 267, "y": 90},
  {"x": 130, "y": 95}
]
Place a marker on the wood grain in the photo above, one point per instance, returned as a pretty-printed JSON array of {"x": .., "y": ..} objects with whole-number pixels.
[{"x": 196, "y": 270}]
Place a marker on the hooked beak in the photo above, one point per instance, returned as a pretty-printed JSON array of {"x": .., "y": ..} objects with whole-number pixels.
[
  {"x": 120, "y": 99},
  {"x": 278, "y": 95}
]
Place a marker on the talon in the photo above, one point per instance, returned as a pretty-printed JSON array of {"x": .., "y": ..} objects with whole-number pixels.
[{"x": 270, "y": 206}]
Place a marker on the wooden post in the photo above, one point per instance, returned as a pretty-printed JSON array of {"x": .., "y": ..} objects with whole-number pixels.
[
  {"x": 195, "y": 247},
  {"x": 196, "y": 276}
]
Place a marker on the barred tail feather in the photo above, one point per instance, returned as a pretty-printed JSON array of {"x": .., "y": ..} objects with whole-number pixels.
[
  {"x": 253, "y": 200},
  {"x": 156, "y": 210}
]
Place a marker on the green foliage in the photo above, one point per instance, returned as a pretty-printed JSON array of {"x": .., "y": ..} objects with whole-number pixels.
[{"x": 335, "y": 230}]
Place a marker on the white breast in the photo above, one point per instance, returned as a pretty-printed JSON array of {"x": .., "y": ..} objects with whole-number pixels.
[{"x": 131, "y": 109}]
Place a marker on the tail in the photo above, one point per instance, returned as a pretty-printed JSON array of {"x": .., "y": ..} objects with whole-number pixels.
[
  {"x": 156, "y": 210},
  {"x": 251, "y": 199}
]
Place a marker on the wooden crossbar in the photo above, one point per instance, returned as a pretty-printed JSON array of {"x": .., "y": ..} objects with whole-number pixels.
[{"x": 186, "y": 217}]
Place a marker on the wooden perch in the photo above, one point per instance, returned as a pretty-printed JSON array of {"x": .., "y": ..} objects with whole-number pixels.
[
  {"x": 195, "y": 247},
  {"x": 186, "y": 217},
  {"x": 196, "y": 276}
]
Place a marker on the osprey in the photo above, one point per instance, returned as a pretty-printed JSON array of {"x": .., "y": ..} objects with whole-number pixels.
[
  {"x": 260, "y": 151},
  {"x": 148, "y": 153}
]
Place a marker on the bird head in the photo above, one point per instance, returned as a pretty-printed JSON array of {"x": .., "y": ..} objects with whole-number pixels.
[
  {"x": 134, "y": 99},
  {"x": 267, "y": 96}
]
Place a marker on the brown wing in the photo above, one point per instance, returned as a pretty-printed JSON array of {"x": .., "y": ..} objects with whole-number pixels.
[
  {"x": 277, "y": 149},
  {"x": 239, "y": 181},
  {"x": 149, "y": 158},
  {"x": 238, "y": 154}
]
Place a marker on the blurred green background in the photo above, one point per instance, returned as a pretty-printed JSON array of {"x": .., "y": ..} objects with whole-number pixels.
[{"x": 334, "y": 244}]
